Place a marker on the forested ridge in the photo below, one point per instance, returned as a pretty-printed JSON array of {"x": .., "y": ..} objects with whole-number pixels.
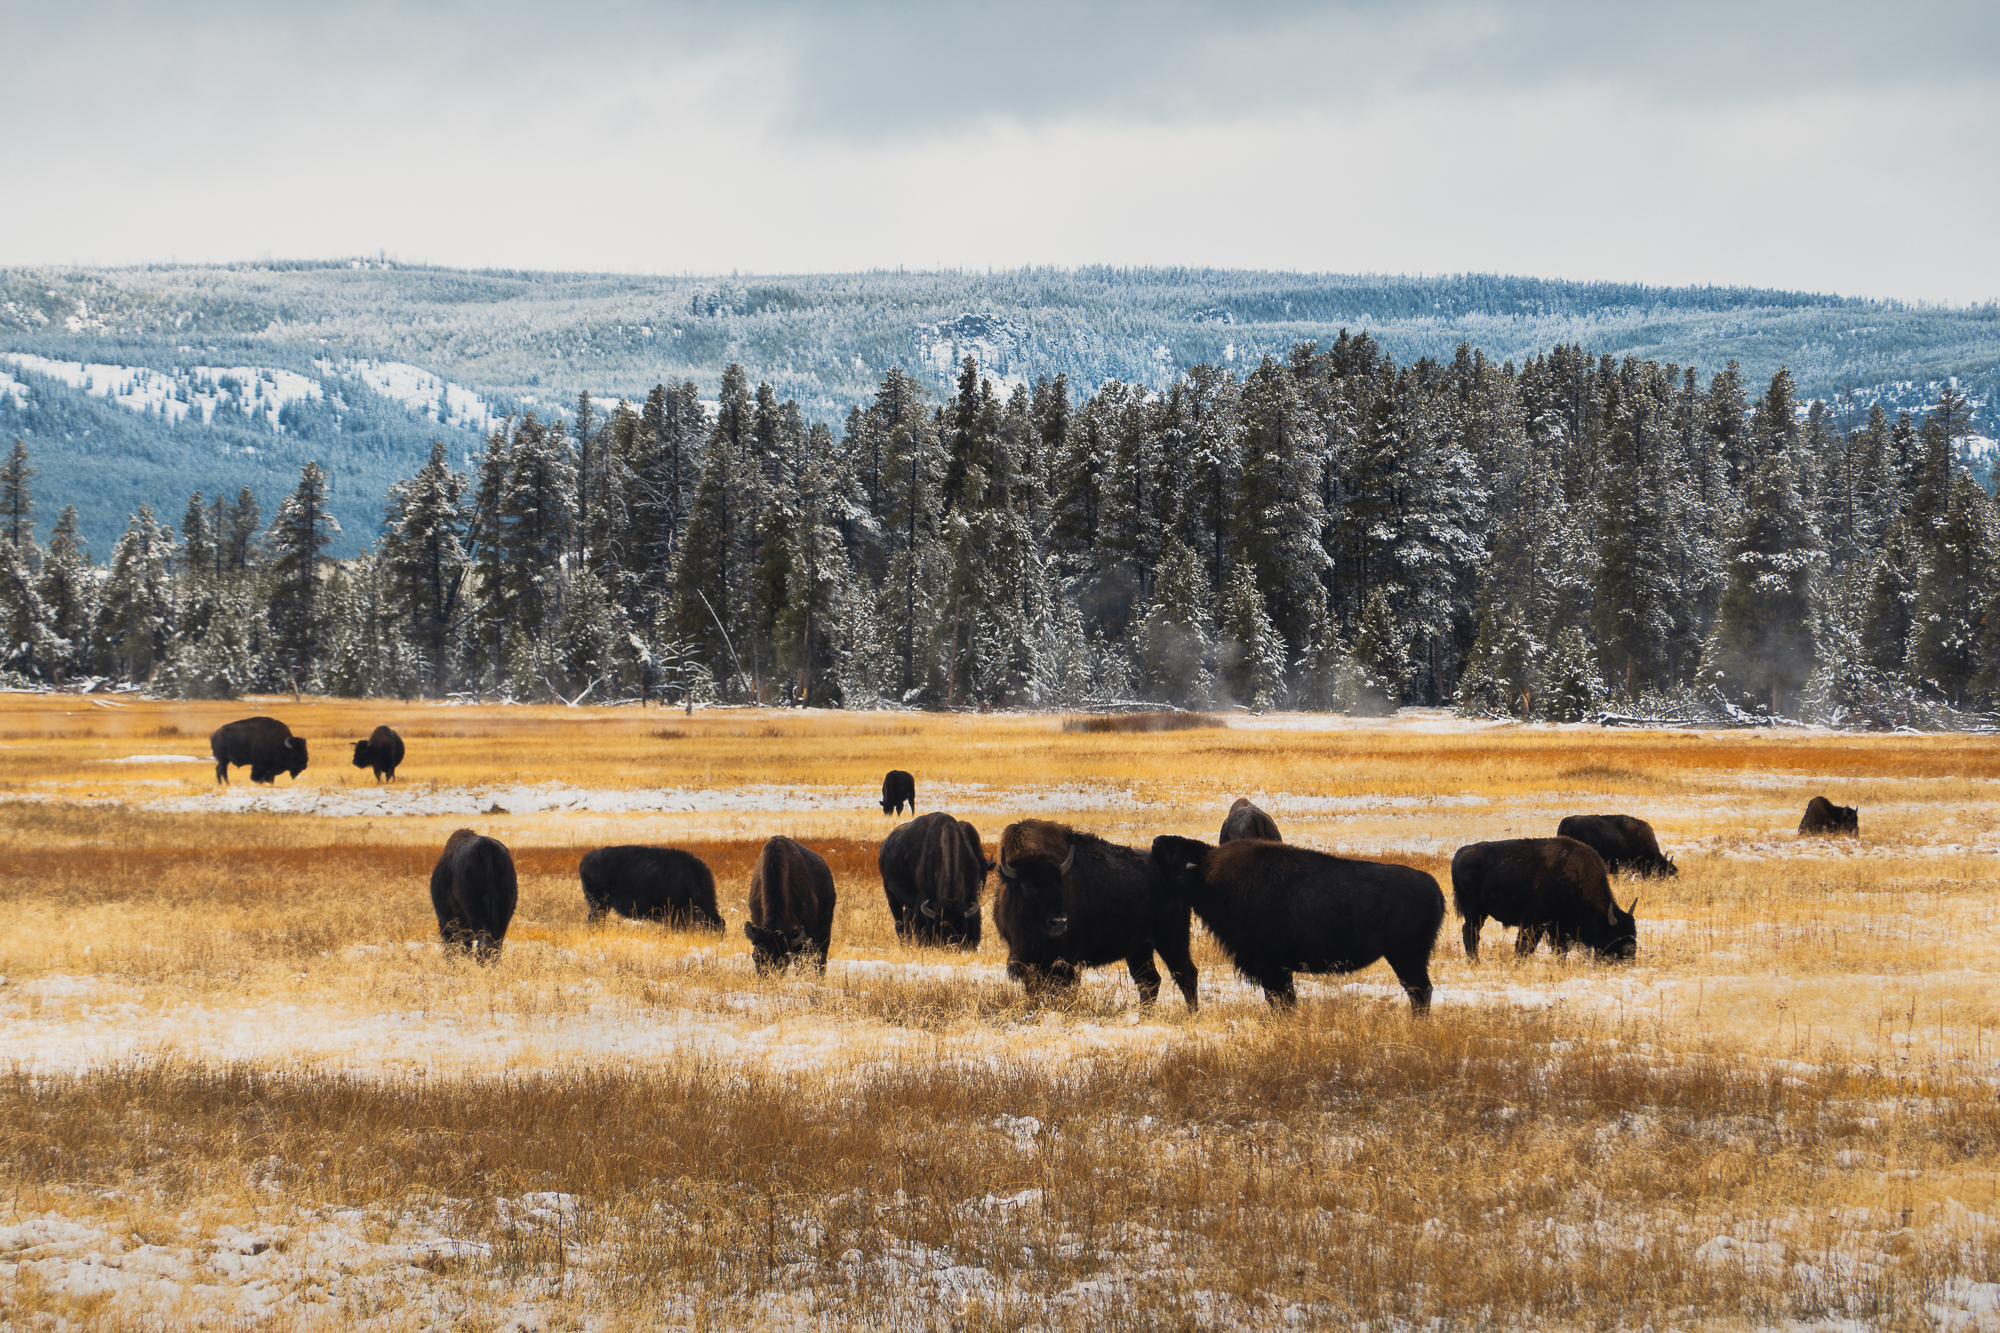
[{"x": 1326, "y": 530}]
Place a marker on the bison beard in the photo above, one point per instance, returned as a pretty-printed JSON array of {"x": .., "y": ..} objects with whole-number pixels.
[
  {"x": 264, "y": 743},
  {"x": 933, "y": 869},
  {"x": 1823, "y": 816},
  {"x": 1069, "y": 900},
  {"x": 661, "y": 884},
  {"x": 473, "y": 891},
  {"x": 382, "y": 751},
  {"x": 1282, "y": 910},
  {"x": 1247, "y": 821},
  {"x": 1626, "y": 842},
  {"x": 1543, "y": 886},
  {"x": 791, "y": 907}
]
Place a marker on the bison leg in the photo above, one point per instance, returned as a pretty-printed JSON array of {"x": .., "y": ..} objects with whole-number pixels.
[
  {"x": 1140, "y": 965},
  {"x": 1528, "y": 939},
  {"x": 1470, "y": 933},
  {"x": 1279, "y": 992},
  {"x": 1180, "y": 966},
  {"x": 1415, "y": 974},
  {"x": 222, "y": 771}
]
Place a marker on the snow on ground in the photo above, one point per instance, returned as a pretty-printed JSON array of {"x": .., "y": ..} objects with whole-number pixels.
[
  {"x": 419, "y": 390},
  {"x": 157, "y": 759},
  {"x": 254, "y": 391}
]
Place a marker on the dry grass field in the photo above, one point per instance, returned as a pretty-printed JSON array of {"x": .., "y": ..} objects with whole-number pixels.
[{"x": 241, "y": 1086}]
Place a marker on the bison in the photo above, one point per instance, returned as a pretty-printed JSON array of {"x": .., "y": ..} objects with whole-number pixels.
[
  {"x": 1626, "y": 842},
  {"x": 382, "y": 751},
  {"x": 791, "y": 907},
  {"x": 1069, "y": 900},
  {"x": 1247, "y": 821},
  {"x": 932, "y": 871},
  {"x": 473, "y": 891},
  {"x": 1280, "y": 910},
  {"x": 1545, "y": 886},
  {"x": 1823, "y": 816},
  {"x": 661, "y": 884},
  {"x": 898, "y": 789},
  {"x": 264, "y": 743}
]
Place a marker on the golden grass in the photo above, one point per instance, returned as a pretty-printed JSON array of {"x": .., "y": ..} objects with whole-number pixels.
[{"x": 243, "y": 1018}]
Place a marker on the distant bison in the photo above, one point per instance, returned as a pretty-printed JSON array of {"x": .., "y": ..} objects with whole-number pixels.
[
  {"x": 1823, "y": 816},
  {"x": 382, "y": 751},
  {"x": 1545, "y": 886},
  {"x": 932, "y": 871},
  {"x": 1069, "y": 900},
  {"x": 1279, "y": 910},
  {"x": 1626, "y": 842},
  {"x": 264, "y": 743},
  {"x": 898, "y": 790},
  {"x": 1247, "y": 821},
  {"x": 473, "y": 891},
  {"x": 791, "y": 907},
  {"x": 663, "y": 884}
]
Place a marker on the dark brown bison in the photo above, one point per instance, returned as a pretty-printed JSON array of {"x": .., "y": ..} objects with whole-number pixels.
[
  {"x": 791, "y": 907},
  {"x": 1626, "y": 842},
  {"x": 1069, "y": 900},
  {"x": 933, "y": 869},
  {"x": 473, "y": 891},
  {"x": 1823, "y": 816},
  {"x": 898, "y": 789},
  {"x": 1247, "y": 821},
  {"x": 663, "y": 884},
  {"x": 1280, "y": 910},
  {"x": 1545, "y": 886},
  {"x": 264, "y": 743},
  {"x": 382, "y": 751}
]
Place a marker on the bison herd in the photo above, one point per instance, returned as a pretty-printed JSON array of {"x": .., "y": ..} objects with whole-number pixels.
[{"x": 1069, "y": 900}]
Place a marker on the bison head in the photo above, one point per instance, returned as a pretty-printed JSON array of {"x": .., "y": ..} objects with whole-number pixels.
[
  {"x": 1615, "y": 934},
  {"x": 1181, "y": 861},
  {"x": 364, "y": 754},
  {"x": 1035, "y": 859},
  {"x": 295, "y": 755}
]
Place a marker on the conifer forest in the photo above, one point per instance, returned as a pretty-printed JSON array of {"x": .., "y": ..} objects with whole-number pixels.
[{"x": 1572, "y": 536}]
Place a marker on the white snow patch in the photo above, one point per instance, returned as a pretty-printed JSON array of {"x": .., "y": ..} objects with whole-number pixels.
[
  {"x": 156, "y": 759},
  {"x": 257, "y": 392},
  {"x": 418, "y": 389}
]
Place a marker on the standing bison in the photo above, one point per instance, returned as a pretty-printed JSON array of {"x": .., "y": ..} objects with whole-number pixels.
[
  {"x": 1069, "y": 900},
  {"x": 382, "y": 751},
  {"x": 1247, "y": 821},
  {"x": 264, "y": 743},
  {"x": 1545, "y": 886},
  {"x": 1280, "y": 910},
  {"x": 791, "y": 907},
  {"x": 473, "y": 891},
  {"x": 663, "y": 884},
  {"x": 1823, "y": 816},
  {"x": 1624, "y": 841},
  {"x": 898, "y": 790},
  {"x": 932, "y": 871}
]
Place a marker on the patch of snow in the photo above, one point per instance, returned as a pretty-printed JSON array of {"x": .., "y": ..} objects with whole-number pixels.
[
  {"x": 419, "y": 390},
  {"x": 257, "y": 392},
  {"x": 156, "y": 759}
]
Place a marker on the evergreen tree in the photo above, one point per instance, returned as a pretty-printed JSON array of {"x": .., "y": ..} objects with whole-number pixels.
[
  {"x": 298, "y": 538},
  {"x": 1763, "y": 646},
  {"x": 17, "y": 502},
  {"x": 1175, "y": 648},
  {"x": 135, "y": 624},
  {"x": 1951, "y": 592},
  {"x": 1279, "y": 516},
  {"x": 1890, "y": 609},
  {"x": 425, "y": 563},
  {"x": 1250, "y": 654},
  {"x": 68, "y": 589}
]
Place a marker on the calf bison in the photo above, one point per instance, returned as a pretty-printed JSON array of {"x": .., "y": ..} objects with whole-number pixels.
[
  {"x": 791, "y": 907},
  {"x": 932, "y": 871},
  {"x": 898, "y": 789},
  {"x": 264, "y": 743},
  {"x": 662, "y": 884},
  {"x": 1279, "y": 910},
  {"x": 1247, "y": 821},
  {"x": 473, "y": 891},
  {"x": 1626, "y": 842},
  {"x": 1823, "y": 816},
  {"x": 1545, "y": 886},
  {"x": 1069, "y": 900},
  {"x": 382, "y": 751}
]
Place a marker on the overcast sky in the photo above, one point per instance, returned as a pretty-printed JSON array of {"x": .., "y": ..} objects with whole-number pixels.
[{"x": 1828, "y": 146}]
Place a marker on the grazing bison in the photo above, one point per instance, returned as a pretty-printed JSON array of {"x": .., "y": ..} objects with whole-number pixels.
[
  {"x": 661, "y": 884},
  {"x": 382, "y": 751},
  {"x": 264, "y": 743},
  {"x": 898, "y": 789},
  {"x": 1279, "y": 910},
  {"x": 791, "y": 907},
  {"x": 1626, "y": 842},
  {"x": 932, "y": 871},
  {"x": 474, "y": 891},
  {"x": 1823, "y": 816},
  {"x": 1545, "y": 886},
  {"x": 1069, "y": 900},
  {"x": 1247, "y": 821}
]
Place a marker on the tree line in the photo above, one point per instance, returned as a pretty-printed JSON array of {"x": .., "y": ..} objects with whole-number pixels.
[{"x": 1330, "y": 530}]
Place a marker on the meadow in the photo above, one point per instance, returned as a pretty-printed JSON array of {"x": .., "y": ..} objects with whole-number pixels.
[{"x": 241, "y": 1085}]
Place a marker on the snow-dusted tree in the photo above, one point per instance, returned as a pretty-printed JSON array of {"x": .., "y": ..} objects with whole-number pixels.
[
  {"x": 1279, "y": 515},
  {"x": 425, "y": 563},
  {"x": 1383, "y": 652},
  {"x": 1570, "y": 684},
  {"x": 1174, "y": 648},
  {"x": 1890, "y": 610},
  {"x": 31, "y": 647},
  {"x": 712, "y": 579},
  {"x": 1250, "y": 654},
  {"x": 1951, "y": 594},
  {"x": 135, "y": 618},
  {"x": 816, "y": 578},
  {"x": 69, "y": 590},
  {"x": 17, "y": 501},
  {"x": 1763, "y": 646},
  {"x": 297, "y": 541}
]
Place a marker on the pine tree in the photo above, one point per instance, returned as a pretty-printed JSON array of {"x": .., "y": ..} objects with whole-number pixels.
[
  {"x": 425, "y": 562},
  {"x": 1174, "y": 651},
  {"x": 31, "y": 647},
  {"x": 1250, "y": 654},
  {"x": 17, "y": 502},
  {"x": 69, "y": 589},
  {"x": 1890, "y": 608},
  {"x": 1763, "y": 646},
  {"x": 1383, "y": 653},
  {"x": 1279, "y": 516},
  {"x": 1570, "y": 685},
  {"x": 298, "y": 538},
  {"x": 135, "y": 624},
  {"x": 1951, "y": 592}
]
